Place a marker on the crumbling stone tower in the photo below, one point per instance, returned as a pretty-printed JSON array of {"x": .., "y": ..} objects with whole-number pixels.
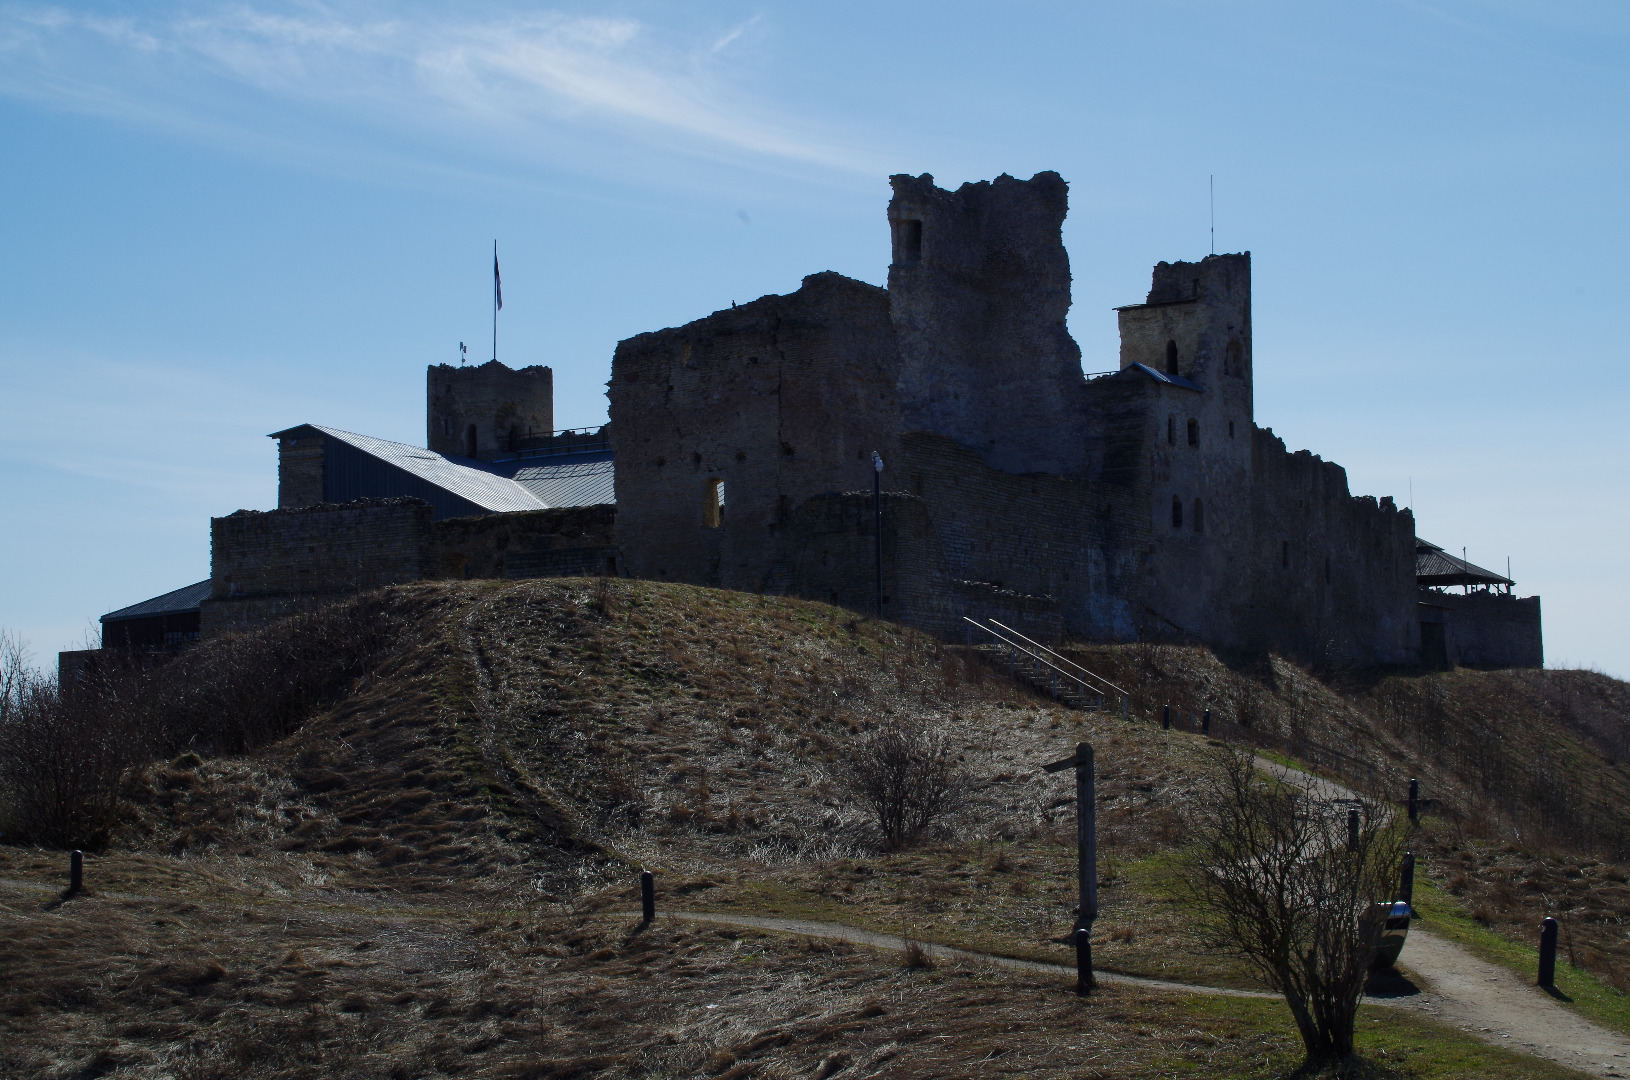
[
  {"x": 979, "y": 288},
  {"x": 483, "y": 412}
]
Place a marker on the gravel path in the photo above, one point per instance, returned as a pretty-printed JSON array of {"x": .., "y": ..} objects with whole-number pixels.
[{"x": 1499, "y": 1006}]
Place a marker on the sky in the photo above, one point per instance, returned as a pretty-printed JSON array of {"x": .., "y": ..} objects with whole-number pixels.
[{"x": 221, "y": 220}]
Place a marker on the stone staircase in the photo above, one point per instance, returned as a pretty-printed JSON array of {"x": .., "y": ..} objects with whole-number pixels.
[{"x": 1034, "y": 664}]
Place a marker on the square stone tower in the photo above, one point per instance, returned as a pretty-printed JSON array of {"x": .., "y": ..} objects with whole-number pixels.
[{"x": 484, "y": 412}]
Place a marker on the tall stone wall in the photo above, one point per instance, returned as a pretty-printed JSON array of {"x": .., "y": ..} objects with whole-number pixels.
[
  {"x": 482, "y": 412},
  {"x": 299, "y": 470},
  {"x": 769, "y": 404},
  {"x": 980, "y": 288},
  {"x": 1485, "y": 629},
  {"x": 565, "y": 542}
]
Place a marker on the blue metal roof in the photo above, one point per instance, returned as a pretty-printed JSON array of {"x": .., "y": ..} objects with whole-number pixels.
[
  {"x": 1161, "y": 376},
  {"x": 584, "y": 481},
  {"x": 178, "y": 602}
]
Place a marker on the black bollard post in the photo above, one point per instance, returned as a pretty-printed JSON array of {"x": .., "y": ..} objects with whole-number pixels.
[
  {"x": 1547, "y": 953},
  {"x": 76, "y": 871},
  {"x": 1166, "y": 717},
  {"x": 1406, "y": 879},
  {"x": 1352, "y": 828},
  {"x": 1414, "y": 800},
  {"x": 648, "y": 896},
  {"x": 1205, "y": 723},
  {"x": 1083, "y": 961}
]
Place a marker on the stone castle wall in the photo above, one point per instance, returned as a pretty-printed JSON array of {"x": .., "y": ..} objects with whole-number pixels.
[
  {"x": 1486, "y": 629},
  {"x": 482, "y": 412},
  {"x": 265, "y": 565}
]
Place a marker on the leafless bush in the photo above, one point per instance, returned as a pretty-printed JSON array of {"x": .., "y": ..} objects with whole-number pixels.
[
  {"x": 1277, "y": 882},
  {"x": 906, "y": 776},
  {"x": 64, "y": 756},
  {"x": 60, "y": 766}
]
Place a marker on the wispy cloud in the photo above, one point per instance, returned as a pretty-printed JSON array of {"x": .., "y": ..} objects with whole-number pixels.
[{"x": 529, "y": 78}]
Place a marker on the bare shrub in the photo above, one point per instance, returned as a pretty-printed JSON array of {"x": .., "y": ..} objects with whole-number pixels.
[
  {"x": 906, "y": 776},
  {"x": 1278, "y": 883}
]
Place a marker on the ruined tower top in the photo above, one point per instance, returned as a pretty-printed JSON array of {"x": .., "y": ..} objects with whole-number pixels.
[
  {"x": 484, "y": 412},
  {"x": 979, "y": 289}
]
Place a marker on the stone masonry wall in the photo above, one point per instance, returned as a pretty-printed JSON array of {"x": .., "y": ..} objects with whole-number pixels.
[
  {"x": 493, "y": 402},
  {"x": 771, "y": 403},
  {"x": 1485, "y": 629},
  {"x": 979, "y": 288},
  {"x": 299, "y": 471},
  {"x": 266, "y": 565}
]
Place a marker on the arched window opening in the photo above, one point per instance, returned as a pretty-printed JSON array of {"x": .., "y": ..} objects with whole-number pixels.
[
  {"x": 1284, "y": 554},
  {"x": 514, "y": 438},
  {"x": 1171, "y": 430},
  {"x": 469, "y": 441},
  {"x": 1177, "y": 512},
  {"x": 1171, "y": 358},
  {"x": 1230, "y": 429},
  {"x": 1234, "y": 358},
  {"x": 712, "y": 502},
  {"x": 1199, "y": 516},
  {"x": 1194, "y": 433}
]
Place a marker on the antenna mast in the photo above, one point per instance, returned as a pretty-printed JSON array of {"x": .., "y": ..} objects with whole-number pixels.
[{"x": 1212, "y": 182}]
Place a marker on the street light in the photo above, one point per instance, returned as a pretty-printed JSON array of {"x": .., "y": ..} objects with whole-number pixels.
[{"x": 877, "y": 527}]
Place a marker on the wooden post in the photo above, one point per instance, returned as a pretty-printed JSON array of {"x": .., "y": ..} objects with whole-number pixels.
[
  {"x": 1352, "y": 828},
  {"x": 1125, "y": 709},
  {"x": 1547, "y": 953},
  {"x": 1086, "y": 842},
  {"x": 648, "y": 896},
  {"x": 1406, "y": 879},
  {"x": 1166, "y": 717},
  {"x": 1205, "y": 723},
  {"x": 1414, "y": 800},
  {"x": 76, "y": 871}
]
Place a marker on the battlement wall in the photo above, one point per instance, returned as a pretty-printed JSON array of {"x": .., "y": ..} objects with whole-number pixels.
[{"x": 483, "y": 412}]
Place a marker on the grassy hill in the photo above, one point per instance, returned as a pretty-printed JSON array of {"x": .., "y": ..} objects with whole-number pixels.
[{"x": 421, "y": 859}]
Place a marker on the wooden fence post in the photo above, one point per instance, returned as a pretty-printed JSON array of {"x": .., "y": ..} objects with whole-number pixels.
[
  {"x": 76, "y": 871},
  {"x": 1166, "y": 717},
  {"x": 1406, "y": 879},
  {"x": 1414, "y": 800},
  {"x": 648, "y": 896}
]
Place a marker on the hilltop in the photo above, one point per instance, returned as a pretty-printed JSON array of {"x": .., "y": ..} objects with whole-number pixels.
[{"x": 428, "y": 866}]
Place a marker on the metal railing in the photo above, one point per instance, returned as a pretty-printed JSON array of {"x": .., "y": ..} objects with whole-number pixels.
[
  {"x": 1105, "y": 683},
  {"x": 565, "y": 441},
  {"x": 1041, "y": 672}
]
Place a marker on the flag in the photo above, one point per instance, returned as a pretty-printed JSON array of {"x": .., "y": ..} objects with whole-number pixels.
[{"x": 497, "y": 282}]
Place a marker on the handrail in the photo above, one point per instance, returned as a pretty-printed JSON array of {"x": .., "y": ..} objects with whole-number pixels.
[
  {"x": 1034, "y": 656},
  {"x": 1065, "y": 659}
]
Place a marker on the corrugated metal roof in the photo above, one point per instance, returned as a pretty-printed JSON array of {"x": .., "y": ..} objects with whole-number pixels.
[
  {"x": 575, "y": 483},
  {"x": 1161, "y": 376},
  {"x": 461, "y": 476},
  {"x": 1434, "y": 566},
  {"x": 171, "y": 603}
]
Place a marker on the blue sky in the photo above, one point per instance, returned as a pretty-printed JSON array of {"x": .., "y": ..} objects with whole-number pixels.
[{"x": 218, "y": 220}]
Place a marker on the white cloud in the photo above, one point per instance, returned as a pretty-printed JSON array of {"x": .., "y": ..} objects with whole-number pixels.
[{"x": 526, "y": 77}]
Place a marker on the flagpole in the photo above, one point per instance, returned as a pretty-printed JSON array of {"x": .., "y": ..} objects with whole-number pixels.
[{"x": 495, "y": 300}]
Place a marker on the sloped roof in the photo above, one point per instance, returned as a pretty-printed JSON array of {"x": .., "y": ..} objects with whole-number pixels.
[
  {"x": 464, "y": 477},
  {"x": 572, "y": 483},
  {"x": 178, "y": 602},
  {"x": 1161, "y": 376},
  {"x": 1434, "y": 566}
]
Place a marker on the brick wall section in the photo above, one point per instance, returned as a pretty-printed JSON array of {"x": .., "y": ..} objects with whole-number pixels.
[
  {"x": 1486, "y": 630},
  {"x": 266, "y": 565},
  {"x": 538, "y": 543},
  {"x": 299, "y": 471},
  {"x": 779, "y": 400}
]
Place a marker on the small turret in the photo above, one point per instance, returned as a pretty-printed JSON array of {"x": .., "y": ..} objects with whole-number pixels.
[{"x": 484, "y": 412}]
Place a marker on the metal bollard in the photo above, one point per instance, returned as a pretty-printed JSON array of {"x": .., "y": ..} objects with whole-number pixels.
[
  {"x": 1352, "y": 828},
  {"x": 1205, "y": 723},
  {"x": 1083, "y": 961},
  {"x": 648, "y": 896},
  {"x": 1406, "y": 879},
  {"x": 1166, "y": 717},
  {"x": 76, "y": 871},
  {"x": 1414, "y": 800},
  {"x": 1547, "y": 953}
]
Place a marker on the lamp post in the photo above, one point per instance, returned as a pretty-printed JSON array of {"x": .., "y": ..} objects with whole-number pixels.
[{"x": 877, "y": 529}]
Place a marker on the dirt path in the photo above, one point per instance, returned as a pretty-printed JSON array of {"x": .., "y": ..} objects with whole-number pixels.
[{"x": 1499, "y": 1006}]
